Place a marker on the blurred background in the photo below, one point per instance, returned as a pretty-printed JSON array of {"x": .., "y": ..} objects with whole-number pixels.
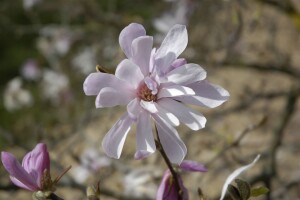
[{"x": 251, "y": 48}]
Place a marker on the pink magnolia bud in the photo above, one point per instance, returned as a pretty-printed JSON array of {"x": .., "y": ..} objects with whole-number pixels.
[{"x": 30, "y": 174}]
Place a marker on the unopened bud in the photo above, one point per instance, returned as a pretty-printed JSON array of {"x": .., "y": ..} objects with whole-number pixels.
[{"x": 91, "y": 193}]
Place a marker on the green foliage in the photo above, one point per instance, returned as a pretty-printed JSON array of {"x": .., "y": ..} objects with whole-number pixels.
[
  {"x": 255, "y": 192},
  {"x": 243, "y": 191}
]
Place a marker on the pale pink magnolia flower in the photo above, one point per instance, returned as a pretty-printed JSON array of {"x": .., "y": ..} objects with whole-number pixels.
[
  {"x": 168, "y": 190},
  {"x": 153, "y": 84},
  {"x": 28, "y": 175}
]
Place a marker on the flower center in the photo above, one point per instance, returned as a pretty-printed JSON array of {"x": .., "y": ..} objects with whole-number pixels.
[{"x": 147, "y": 90}]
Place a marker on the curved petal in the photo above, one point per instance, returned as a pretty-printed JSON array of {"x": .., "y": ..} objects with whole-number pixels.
[
  {"x": 129, "y": 72},
  {"x": 153, "y": 107},
  {"x": 141, "y": 51},
  {"x": 145, "y": 144},
  {"x": 207, "y": 95},
  {"x": 128, "y": 34},
  {"x": 235, "y": 173},
  {"x": 96, "y": 81},
  {"x": 192, "y": 166},
  {"x": 36, "y": 162},
  {"x": 168, "y": 190},
  {"x": 191, "y": 118},
  {"x": 133, "y": 109},
  {"x": 109, "y": 97},
  {"x": 175, "y": 41},
  {"x": 186, "y": 74},
  {"x": 114, "y": 140},
  {"x": 170, "y": 140},
  {"x": 21, "y": 185},
  {"x": 16, "y": 171},
  {"x": 174, "y": 91}
]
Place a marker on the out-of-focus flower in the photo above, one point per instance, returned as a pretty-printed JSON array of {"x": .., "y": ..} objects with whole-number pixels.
[
  {"x": 139, "y": 182},
  {"x": 179, "y": 14},
  {"x": 30, "y": 70},
  {"x": 54, "y": 41},
  {"x": 55, "y": 86},
  {"x": 28, "y": 4},
  {"x": 90, "y": 161},
  {"x": 236, "y": 173},
  {"x": 168, "y": 190},
  {"x": 153, "y": 84},
  {"x": 85, "y": 61},
  {"x": 29, "y": 175},
  {"x": 16, "y": 97}
]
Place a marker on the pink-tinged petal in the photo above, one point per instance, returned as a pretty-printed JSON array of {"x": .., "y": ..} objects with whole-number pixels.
[
  {"x": 207, "y": 95},
  {"x": 114, "y": 140},
  {"x": 186, "y": 74},
  {"x": 134, "y": 109},
  {"x": 153, "y": 107},
  {"x": 129, "y": 72},
  {"x": 96, "y": 81},
  {"x": 109, "y": 97},
  {"x": 170, "y": 140},
  {"x": 175, "y": 91},
  {"x": 128, "y": 34},
  {"x": 36, "y": 162},
  {"x": 163, "y": 64},
  {"x": 145, "y": 144},
  {"x": 21, "y": 185},
  {"x": 191, "y": 118},
  {"x": 141, "y": 51},
  {"x": 168, "y": 190},
  {"x": 175, "y": 41},
  {"x": 178, "y": 62},
  {"x": 235, "y": 173},
  {"x": 192, "y": 166},
  {"x": 15, "y": 170}
]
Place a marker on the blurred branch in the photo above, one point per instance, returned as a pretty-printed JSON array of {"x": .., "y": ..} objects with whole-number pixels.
[
  {"x": 237, "y": 141},
  {"x": 284, "y": 69},
  {"x": 270, "y": 170},
  {"x": 283, "y": 5}
]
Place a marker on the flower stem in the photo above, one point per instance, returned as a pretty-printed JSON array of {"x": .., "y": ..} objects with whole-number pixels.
[{"x": 169, "y": 164}]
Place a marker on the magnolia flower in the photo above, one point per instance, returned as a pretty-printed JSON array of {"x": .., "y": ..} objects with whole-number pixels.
[
  {"x": 235, "y": 174},
  {"x": 153, "y": 84},
  {"x": 168, "y": 190},
  {"x": 30, "y": 174}
]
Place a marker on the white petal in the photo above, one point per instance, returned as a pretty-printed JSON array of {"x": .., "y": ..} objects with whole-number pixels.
[
  {"x": 145, "y": 144},
  {"x": 153, "y": 107},
  {"x": 174, "y": 91},
  {"x": 141, "y": 51},
  {"x": 193, "y": 119},
  {"x": 128, "y": 34},
  {"x": 175, "y": 41},
  {"x": 133, "y": 109},
  {"x": 109, "y": 97},
  {"x": 186, "y": 74},
  {"x": 234, "y": 174},
  {"x": 113, "y": 141},
  {"x": 163, "y": 64},
  {"x": 170, "y": 140},
  {"x": 129, "y": 72},
  {"x": 149, "y": 106},
  {"x": 96, "y": 81},
  {"x": 207, "y": 95}
]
